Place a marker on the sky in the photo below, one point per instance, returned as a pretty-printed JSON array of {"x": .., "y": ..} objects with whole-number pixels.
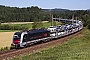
[{"x": 51, "y": 4}]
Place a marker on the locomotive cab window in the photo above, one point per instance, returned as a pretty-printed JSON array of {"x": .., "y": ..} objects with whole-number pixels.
[
  {"x": 25, "y": 38},
  {"x": 16, "y": 37}
]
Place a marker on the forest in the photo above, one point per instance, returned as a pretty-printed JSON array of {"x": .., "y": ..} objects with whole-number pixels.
[{"x": 34, "y": 13}]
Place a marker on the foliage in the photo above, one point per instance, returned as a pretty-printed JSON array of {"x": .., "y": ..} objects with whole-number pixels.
[
  {"x": 8, "y": 30},
  {"x": 37, "y": 24},
  {"x": 34, "y": 13},
  {"x": 15, "y": 14},
  {"x": 8, "y": 27},
  {"x": 86, "y": 20},
  {"x": 4, "y": 48}
]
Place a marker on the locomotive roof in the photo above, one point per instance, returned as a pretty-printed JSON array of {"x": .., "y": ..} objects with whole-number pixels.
[
  {"x": 32, "y": 31},
  {"x": 17, "y": 33},
  {"x": 36, "y": 31}
]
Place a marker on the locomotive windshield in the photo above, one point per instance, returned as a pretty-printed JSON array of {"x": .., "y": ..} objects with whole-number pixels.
[{"x": 17, "y": 36}]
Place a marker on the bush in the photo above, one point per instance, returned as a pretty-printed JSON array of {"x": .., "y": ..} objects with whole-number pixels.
[
  {"x": 4, "y": 48},
  {"x": 8, "y": 27},
  {"x": 4, "y": 27},
  {"x": 1, "y": 49}
]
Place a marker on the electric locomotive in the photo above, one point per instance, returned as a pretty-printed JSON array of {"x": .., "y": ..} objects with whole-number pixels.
[{"x": 27, "y": 38}]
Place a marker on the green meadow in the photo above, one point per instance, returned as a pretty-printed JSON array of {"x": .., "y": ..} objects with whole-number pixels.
[{"x": 15, "y": 27}]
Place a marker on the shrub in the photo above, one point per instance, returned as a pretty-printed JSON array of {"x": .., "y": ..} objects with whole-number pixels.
[
  {"x": 16, "y": 27},
  {"x": 1, "y": 49},
  {"x": 4, "y": 48}
]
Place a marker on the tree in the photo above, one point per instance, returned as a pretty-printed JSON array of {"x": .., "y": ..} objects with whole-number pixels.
[
  {"x": 37, "y": 24},
  {"x": 86, "y": 20}
]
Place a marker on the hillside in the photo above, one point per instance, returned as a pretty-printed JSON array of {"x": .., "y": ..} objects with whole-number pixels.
[
  {"x": 36, "y": 14},
  {"x": 76, "y": 48},
  {"x": 16, "y": 14},
  {"x": 55, "y": 10}
]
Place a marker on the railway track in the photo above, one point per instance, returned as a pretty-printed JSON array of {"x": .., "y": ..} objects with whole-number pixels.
[{"x": 7, "y": 55}]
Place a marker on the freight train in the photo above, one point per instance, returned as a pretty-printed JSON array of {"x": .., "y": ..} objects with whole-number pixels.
[{"x": 28, "y": 38}]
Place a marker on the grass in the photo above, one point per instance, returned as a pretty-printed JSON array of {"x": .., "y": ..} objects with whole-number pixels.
[
  {"x": 76, "y": 48},
  {"x": 28, "y": 26},
  {"x": 46, "y": 25},
  {"x": 4, "y": 48},
  {"x": 8, "y": 30}
]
